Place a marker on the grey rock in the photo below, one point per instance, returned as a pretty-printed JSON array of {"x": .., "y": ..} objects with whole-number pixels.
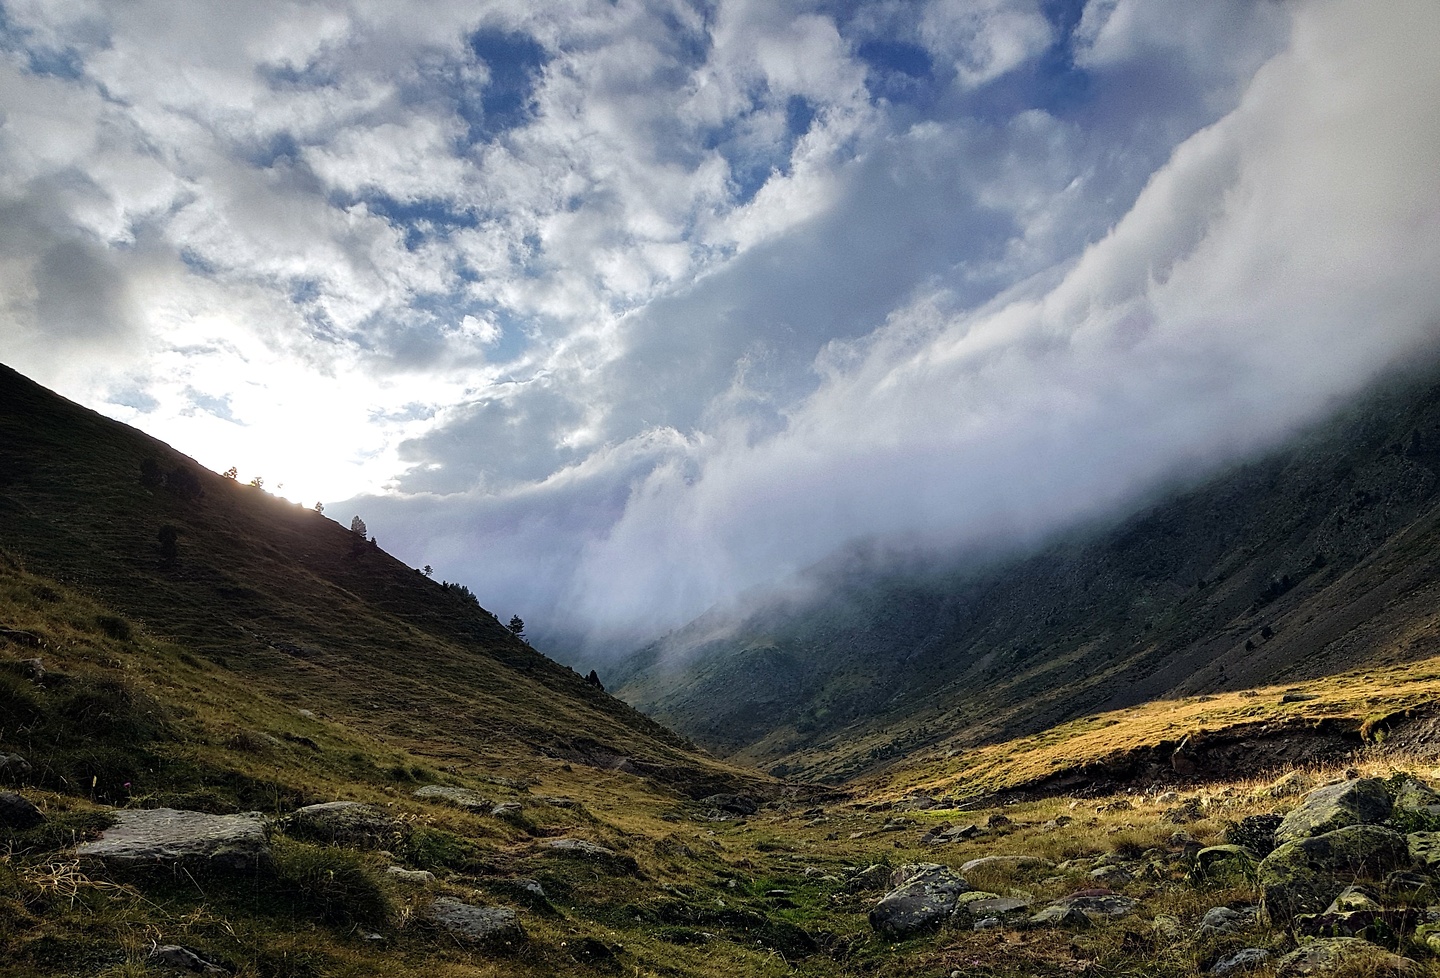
[
  {"x": 167, "y": 836},
  {"x": 1327, "y": 956},
  {"x": 1228, "y": 865},
  {"x": 476, "y": 925},
  {"x": 1243, "y": 960},
  {"x": 1425, "y": 848},
  {"x": 1097, "y": 905},
  {"x": 182, "y": 958},
  {"x": 578, "y": 847},
  {"x": 993, "y": 906},
  {"x": 1057, "y": 916},
  {"x": 1361, "y": 801},
  {"x": 459, "y": 797},
  {"x": 417, "y": 877},
  {"x": 1414, "y": 795},
  {"x": 1006, "y": 862},
  {"x": 17, "y": 812},
  {"x": 873, "y": 877},
  {"x": 13, "y": 767},
  {"x": 348, "y": 823},
  {"x": 734, "y": 804},
  {"x": 509, "y": 809},
  {"x": 923, "y": 901},
  {"x": 985, "y": 923},
  {"x": 1225, "y": 920}
]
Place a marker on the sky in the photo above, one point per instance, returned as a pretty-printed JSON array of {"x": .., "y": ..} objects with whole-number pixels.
[{"x": 614, "y": 309}]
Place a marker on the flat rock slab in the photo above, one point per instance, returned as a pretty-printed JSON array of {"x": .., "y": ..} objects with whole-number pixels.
[
  {"x": 578, "y": 847},
  {"x": 183, "y": 959},
  {"x": 1241, "y": 961},
  {"x": 476, "y": 925},
  {"x": 1328, "y": 956},
  {"x": 348, "y": 823},
  {"x": 167, "y": 836},
  {"x": 459, "y": 797}
]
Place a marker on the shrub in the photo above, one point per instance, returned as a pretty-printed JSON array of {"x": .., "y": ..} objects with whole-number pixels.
[{"x": 335, "y": 885}]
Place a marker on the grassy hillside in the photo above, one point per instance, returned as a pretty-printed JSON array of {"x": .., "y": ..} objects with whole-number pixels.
[{"x": 1308, "y": 562}]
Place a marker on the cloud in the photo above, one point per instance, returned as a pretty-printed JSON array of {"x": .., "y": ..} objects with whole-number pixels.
[{"x": 613, "y": 309}]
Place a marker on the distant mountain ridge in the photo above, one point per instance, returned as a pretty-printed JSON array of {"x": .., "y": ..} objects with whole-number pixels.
[{"x": 1313, "y": 559}]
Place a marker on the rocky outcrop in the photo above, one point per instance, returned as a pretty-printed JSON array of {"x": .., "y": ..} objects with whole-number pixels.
[
  {"x": 17, "y": 812},
  {"x": 1328, "y": 956},
  {"x": 925, "y": 899},
  {"x": 166, "y": 836}
]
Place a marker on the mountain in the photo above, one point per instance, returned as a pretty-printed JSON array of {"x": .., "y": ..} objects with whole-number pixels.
[{"x": 1319, "y": 557}]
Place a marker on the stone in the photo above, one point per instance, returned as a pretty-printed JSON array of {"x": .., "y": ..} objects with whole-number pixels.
[
  {"x": 1361, "y": 801},
  {"x": 873, "y": 877},
  {"x": 13, "y": 767},
  {"x": 925, "y": 900},
  {"x": 1425, "y": 848},
  {"x": 476, "y": 925},
  {"x": 734, "y": 804},
  {"x": 509, "y": 809},
  {"x": 1414, "y": 795},
  {"x": 1244, "y": 960},
  {"x": 1292, "y": 783},
  {"x": 459, "y": 797},
  {"x": 990, "y": 905},
  {"x": 416, "y": 877},
  {"x": 1097, "y": 904},
  {"x": 348, "y": 823},
  {"x": 1006, "y": 862},
  {"x": 916, "y": 803},
  {"x": 1227, "y": 920},
  {"x": 1328, "y": 956},
  {"x": 578, "y": 847},
  {"x": 959, "y": 832},
  {"x": 18, "y": 812},
  {"x": 166, "y": 836},
  {"x": 1058, "y": 916},
  {"x": 1306, "y": 875},
  {"x": 1226, "y": 865},
  {"x": 183, "y": 959},
  {"x": 1406, "y": 888},
  {"x": 1354, "y": 913}
]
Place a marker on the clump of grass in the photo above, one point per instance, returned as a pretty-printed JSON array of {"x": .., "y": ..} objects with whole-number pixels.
[{"x": 338, "y": 886}]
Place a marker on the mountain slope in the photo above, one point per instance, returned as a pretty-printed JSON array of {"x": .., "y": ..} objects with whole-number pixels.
[
  {"x": 1315, "y": 559},
  {"x": 295, "y": 603}
]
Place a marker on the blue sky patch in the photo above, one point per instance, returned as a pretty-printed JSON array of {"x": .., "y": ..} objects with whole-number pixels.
[{"x": 514, "y": 61}]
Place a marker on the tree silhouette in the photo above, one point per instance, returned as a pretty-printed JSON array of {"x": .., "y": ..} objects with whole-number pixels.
[{"x": 517, "y": 626}]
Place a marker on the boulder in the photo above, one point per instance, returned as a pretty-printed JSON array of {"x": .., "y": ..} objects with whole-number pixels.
[
  {"x": 1227, "y": 920},
  {"x": 459, "y": 797},
  {"x": 1354, "y": 913},
  {"x": 415, "y": 877},
  {"x": 923, "y": 901},
  {"x": 978, "y": 905},
  {"x": 348, "y": 823},
  {"x": 509, "y": 809},
  {"x": 578, "y": 847},
  {"x": 873, "y": 877},
  {"x": 17, "y": 812},
  {"x": 733, "y": 804},
  {"x": 1330, "y": 955},
  {"x": 1425, "y": 848},
  {"x": 1414, "y": 795},
  {"x": 1227, "y": 865},
  {"x": 476, "y": 925},
  {"x": 1306, "y": 875},
  {"x": 166, "y": 836},
  {"x": 1082, "y": 909},
  {"x": 1244, "y": 960},
  {"x": 13, "y": 767},
  {"x": 1006, "y": 862},
  {"x": 1361, "y": 801}
]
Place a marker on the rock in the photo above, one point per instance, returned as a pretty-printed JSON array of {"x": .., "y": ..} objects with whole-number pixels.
[
  {"x": 32, "y": 669},
  {"x": 17, "y": 812},
  {"x": 1425, "y": 848},
  {"x": 1006, "y": 862},
  {"x": 1293, "y": 783},
  {"x": 348, "y": 823},
  {"x": 1243, "y": 960},
  {"x": 997, "y": 821},
  {"x": 1227, "y": 865},
  {"x": 183, "y": 958},
  {"x": 1406, "y": 888},
  {"x": 923, "y": 901},
  {"x": 459, "y": 797},
  {"x": 1227, "y": 920},
  {"x": 1354, "y": 913},
  {"x": 1097, "y": 904},
  {"x": 1305, "y": 876},
  {"x": 478, "y": 925},
  {"x": 1361, "y": 801},
  {"x": 873, "y": 877},
  {"x": 918, "y": 802},
  {"x": 989, "y": 905},
  {"x": 13, "y": 767},
  {"x": 532, "y": 887},
  {"x": 1058, "y": 916},
  {"x": 734, "y": 804},
  {"x": 959, "y": 832},
  {"x": 166, "y": 836},
  {"x": 1414, "y": 795},
  {"x": 417, "y": 877},
  {"x": 578, "y": 847},
  {"x": 1255, "y": 832},
  {"x": 509, "y": 809},
  {"x": 1327, "y": 956}
]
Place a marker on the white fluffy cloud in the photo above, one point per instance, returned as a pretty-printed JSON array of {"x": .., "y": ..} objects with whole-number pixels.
[{"x": 615, "y": 309}]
